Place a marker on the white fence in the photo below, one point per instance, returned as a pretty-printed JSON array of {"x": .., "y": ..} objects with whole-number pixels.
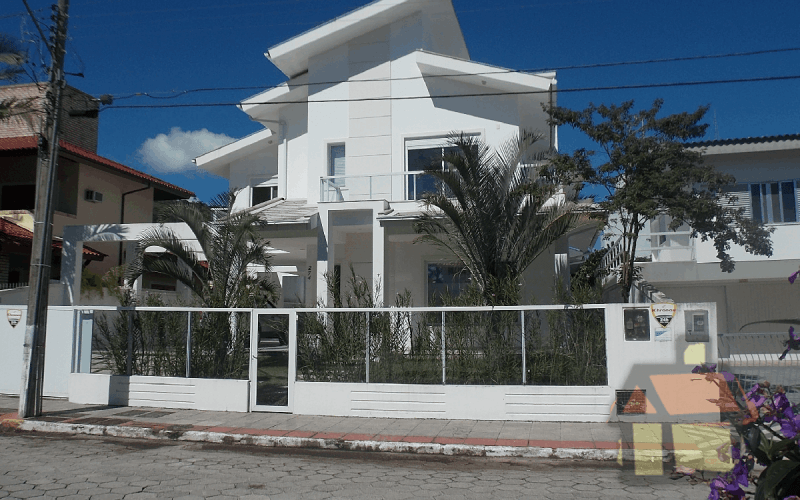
[{"x": 634, "y": 362}]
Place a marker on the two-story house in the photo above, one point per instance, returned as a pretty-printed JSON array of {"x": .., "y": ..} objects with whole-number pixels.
[
  {"x": 90, "y": 189},
  {"x": 685, "y": 269},
  {"x": 337, "y": 172}
]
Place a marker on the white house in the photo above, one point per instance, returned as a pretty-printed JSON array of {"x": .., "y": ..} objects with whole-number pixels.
[
  {"x": 336, "y": 173},
  {"x": 767, "y": 170}
]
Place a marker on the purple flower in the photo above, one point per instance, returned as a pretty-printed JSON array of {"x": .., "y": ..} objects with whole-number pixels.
[
  {"x": 704, "y": 368},
  {"x": 794, "y": 277},
  {"x": 755, "y": 395},
  {"x": 792, "y": 343}
]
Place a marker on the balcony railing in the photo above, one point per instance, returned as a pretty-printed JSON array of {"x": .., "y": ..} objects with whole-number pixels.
[
  {"x": 398, "y": 186},
  {"x": 671, "y": 247}
]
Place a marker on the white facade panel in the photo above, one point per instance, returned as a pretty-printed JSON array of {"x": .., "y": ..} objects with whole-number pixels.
[{"x": 371, "y": 126}]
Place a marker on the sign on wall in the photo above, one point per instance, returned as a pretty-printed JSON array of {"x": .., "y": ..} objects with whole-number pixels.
[
  {"x": 663, "y": 312},
  {"x": 14, "y": 316}
]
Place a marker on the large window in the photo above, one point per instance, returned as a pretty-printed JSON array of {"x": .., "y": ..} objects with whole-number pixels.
[
  {"x": 424, "y": 155},
  {"x": 773, "y": 202},
  {"x": 446, "y": 280}
]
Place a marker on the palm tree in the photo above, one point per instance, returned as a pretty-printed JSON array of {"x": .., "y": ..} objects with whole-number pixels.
[
  {"x": 232, "y": 247},
  {"x": 230, "y": 275},
  {"x": 496, "y": 211}
]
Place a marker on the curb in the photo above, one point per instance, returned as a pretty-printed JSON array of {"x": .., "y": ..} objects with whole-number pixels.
[{"x": 325, "y": 444}]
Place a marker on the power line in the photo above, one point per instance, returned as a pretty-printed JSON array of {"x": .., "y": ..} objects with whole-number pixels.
[
  {"x": 486, "y": 94},
  {"x": 482, "y": 73}
]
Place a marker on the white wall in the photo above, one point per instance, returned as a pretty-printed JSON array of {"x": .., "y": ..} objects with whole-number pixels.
[
  {"x": 538, "y": 403},
  {"x": 159, "y": 392},
  {"x": 57, "y": 357}
]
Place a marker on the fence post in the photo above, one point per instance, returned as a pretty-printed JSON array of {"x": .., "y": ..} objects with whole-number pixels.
[
  {"x": 129, "y": 361},
  {"x": 522, "y": 329},
  {"x": 188, "y": 344},
  {"x": 366, "y": 347},
  {"x": 443, "y": 353}
]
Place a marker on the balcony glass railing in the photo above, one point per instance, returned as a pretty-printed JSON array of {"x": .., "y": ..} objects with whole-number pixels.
[{"x": 400, "y": 186}]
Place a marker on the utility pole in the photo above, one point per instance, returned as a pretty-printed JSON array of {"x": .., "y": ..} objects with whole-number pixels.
[{"x": 30, "y": 401}]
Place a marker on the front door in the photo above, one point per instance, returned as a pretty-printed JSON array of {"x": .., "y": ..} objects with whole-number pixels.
[{"x": 273, "y": 347}]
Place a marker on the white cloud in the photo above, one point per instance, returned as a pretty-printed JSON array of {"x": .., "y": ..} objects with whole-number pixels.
[{"x": 173, "y": 153}]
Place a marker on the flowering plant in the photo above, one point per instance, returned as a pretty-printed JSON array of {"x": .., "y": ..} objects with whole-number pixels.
[{"x": 768, "y": 428}]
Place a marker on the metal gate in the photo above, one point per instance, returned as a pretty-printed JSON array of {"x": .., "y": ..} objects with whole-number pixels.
[
  {"x": 273, "y": 354},
  {"x": 755, "y": 357}
]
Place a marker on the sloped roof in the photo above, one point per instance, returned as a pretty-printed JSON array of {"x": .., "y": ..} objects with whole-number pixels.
[
  {"x": 292, "y": 55},
  {"x": 482, "y": 74},
  {"x": 31, "y": 143},
  {"x": 747, "y": 140},
  {"x": 281, "y": 211},
  {"x": 10, "y": 230}
]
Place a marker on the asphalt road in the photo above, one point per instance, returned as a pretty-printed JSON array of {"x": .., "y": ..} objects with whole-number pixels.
[{"x": 72, "y": 467}]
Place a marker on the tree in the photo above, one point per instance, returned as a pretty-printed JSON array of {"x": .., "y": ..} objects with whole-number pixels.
[
  {"x": 12, "y": 57},
  {"x": 227, "y": 278},
  {"x": 648, "y": 171},
  {"x": 495, "y": 212},
  {"x": 231, "y": 245}
]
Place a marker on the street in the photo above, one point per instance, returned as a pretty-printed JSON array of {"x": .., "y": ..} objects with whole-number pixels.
[{"x": 72, "y": 467}]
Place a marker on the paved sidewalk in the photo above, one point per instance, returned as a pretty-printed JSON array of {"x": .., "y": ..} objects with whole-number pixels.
[{"x": 598, "y": 441}]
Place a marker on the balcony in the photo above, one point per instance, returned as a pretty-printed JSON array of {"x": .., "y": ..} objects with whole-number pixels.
[{"x": 399, "y": 186}]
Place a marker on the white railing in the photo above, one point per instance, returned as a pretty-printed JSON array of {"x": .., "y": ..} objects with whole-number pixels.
[
  {"x": 398, "y": 186},
  {"x": 666, "y": 251},
  {"x": 9, "y": 286}
]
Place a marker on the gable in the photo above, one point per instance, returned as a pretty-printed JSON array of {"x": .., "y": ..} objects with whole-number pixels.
[{"x": 441, "y": 32}]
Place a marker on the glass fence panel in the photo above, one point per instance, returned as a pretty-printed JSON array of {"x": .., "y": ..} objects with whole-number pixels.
[
  {"x": 566, "y": 347},
  {"x": 483, "y": 348},
  {"x": 155, "y": 343},
  {"x": 405, "y": 348},
  {"x": 331, "y": 346},
  {"x": 220, "y": 345}
]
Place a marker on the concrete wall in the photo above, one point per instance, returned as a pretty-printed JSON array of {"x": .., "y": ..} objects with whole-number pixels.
[
  {"x": 57, "y": 357},
  {"x": 662, "y": 365},
  {"x": 159, "y": 392},
  {"x": 539, "y": 403}
]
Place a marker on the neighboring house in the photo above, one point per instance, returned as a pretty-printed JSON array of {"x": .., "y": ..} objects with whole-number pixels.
[
  {"x": 90, "y": 189},
  {"x": 337, "y": 173},
  {"x": 767, "y": 172}
]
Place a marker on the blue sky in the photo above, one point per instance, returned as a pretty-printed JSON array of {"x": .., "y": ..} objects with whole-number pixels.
[{"x": 156, "y": 47}]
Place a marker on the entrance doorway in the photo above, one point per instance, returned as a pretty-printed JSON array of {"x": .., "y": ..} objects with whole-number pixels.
[{"x": 272, "y": 360}]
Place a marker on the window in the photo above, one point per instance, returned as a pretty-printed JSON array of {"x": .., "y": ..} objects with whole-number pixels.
[
  {"x": 773, "y": 202},
  {"x": 421, "y": 159},
  {"x": 336, "y": 164},
  {"x": 444, "y": 280},
  {"x": 18, "y": 197},
  {"x": 264, "y": 193}
]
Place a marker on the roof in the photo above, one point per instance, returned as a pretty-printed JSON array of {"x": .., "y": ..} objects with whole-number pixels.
[
  {"x": 748, "y": 144},
  {"x": 31, "y": 142},
  {"x": 292, "y": 55},
  {"x": 482, "y": 74},
  {"x": 218, "y": 160},
  {"x": 14, "y": 231},
  {"x": 747, "y": 140},
  {"x": 281, "y": 211}
]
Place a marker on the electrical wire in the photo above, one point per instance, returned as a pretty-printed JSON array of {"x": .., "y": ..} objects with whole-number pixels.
[
  {"x": 499, "y": 71},
  {"x": 486, "y": 94}
]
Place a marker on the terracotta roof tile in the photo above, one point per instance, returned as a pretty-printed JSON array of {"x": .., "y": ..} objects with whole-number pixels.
[
  {"x": 9, "y": 229},
  {"x": 30, "y": 142},
  {"x": 746, "y": 140}
]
